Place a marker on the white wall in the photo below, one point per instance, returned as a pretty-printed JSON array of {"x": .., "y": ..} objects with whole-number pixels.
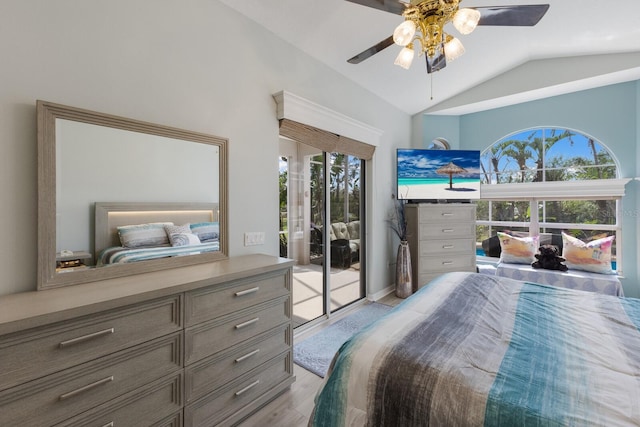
[
  {"x": 171, "y": 63},
  {"x": 151, "y": 168}
]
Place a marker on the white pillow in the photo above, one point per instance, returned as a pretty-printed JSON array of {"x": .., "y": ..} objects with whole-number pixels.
[
  {"x": 144, "y": 235},
  {"x": 594, "y": 256},
  {"x": 518, "y": 250},
  {"x": 181, "y": 235}
]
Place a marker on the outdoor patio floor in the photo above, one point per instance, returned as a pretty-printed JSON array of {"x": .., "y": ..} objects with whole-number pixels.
[{"x": 307, "y": 290}]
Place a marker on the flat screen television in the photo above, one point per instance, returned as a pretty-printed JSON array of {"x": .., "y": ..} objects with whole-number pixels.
[{"x": 438, "y": 175}]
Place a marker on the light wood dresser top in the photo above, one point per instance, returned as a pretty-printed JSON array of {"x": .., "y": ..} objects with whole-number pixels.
[{"x": 30, "y": 309}]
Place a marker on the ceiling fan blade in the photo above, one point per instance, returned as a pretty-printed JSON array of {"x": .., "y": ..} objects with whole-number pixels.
[
  {"x": 393, "y": 6},
  {"x": 371, "y": 51},
  {"x": 518, "y": 15}
]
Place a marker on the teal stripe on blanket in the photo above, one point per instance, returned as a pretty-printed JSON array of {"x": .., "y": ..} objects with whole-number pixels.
[
  {"x": 535, "y": 365},
  {"x": 331, "y": 403},
  {"x": 632, "y": 310}
]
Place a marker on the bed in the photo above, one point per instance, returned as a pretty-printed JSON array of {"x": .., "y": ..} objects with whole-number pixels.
[
  {"x": 476, "y": 350},
  {"x": 110, "y": 217}
]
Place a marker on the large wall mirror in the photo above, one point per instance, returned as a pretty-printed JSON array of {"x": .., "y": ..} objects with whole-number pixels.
[{"x": 108, "y": 185}]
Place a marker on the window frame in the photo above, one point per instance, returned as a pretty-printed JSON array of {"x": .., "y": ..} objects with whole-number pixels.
[
  {"x": 609, "y": 189},
  {"x": 547, "y": 191}
]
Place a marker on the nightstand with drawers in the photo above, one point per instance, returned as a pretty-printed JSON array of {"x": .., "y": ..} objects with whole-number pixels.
[{"x": 441, "y": 239}]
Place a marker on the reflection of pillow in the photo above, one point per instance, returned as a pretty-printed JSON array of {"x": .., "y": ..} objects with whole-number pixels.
[
  {"x": 518, "y": 250},
  {"x": 594, "y": 256},
  {"x": 184, "y": 239},
  {"x": 142, "y": 235},
  {"x": 181, "y": 235},
  {"x": 206, "y": 231}
]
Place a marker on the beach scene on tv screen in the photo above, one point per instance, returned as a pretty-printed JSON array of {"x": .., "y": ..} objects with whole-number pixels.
[{"x": 438, "y": 174}]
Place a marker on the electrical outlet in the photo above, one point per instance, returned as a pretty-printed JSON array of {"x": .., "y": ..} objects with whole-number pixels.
[{"x": 254, "y": 238}]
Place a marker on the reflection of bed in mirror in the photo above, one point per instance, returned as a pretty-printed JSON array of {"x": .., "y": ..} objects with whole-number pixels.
[
  {"x": 80, "y": 151},
  {"x": 200, "y": 220}
]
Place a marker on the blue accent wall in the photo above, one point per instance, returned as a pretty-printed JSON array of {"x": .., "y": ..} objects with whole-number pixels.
[{"x": 610, "y": 114}]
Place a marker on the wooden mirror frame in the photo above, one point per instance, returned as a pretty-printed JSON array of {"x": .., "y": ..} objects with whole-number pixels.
[{"x": 47, "y": 277}]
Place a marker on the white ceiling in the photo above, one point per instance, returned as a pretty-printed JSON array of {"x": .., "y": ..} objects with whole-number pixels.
[{"x": 501, "y": 66}]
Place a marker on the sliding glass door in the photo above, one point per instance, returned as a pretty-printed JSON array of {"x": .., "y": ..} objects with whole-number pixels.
[{"x": 321, "y": 218}]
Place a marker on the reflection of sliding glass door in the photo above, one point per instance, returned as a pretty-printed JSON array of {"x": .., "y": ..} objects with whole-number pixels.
[{"x": 314, "y": 187}]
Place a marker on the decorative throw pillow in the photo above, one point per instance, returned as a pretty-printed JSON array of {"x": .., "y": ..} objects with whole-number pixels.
[
  {"x": 354, "y": 230},
  {"x": 206, "y": 231},
  {"x": 181, "y": 235},
  {"x": 594, "y": 256},
  {"x": 518, "y": 250},
  {"x": 144, "y": 235}
]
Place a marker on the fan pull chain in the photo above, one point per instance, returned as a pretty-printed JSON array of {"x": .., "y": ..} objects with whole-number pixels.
[{"x": 431, "y": 75}]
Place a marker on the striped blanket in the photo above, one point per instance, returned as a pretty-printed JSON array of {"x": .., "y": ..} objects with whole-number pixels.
[
  {"x": 119, "y": 254},
  {"x": 476, "y": 350}
]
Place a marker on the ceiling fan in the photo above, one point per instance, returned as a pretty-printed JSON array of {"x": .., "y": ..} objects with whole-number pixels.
[{"x": 423, "y": 28}]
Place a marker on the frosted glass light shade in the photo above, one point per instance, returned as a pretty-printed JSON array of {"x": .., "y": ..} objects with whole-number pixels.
[
  {"x": 403, "y": 34},
  {"x": 453, "y": 49},
  {"x": 465, "y": 20},
  {"x": 405, "y": 58}
]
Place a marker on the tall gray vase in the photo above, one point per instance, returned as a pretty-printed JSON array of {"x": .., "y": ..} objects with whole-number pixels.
[{"x": 403, "y": 271}]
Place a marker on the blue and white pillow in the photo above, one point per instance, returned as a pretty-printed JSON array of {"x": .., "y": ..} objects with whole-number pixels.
[
  {"x": 144, "y": 235},
  {"x": 181, "y": 235},
  {"x": 206, "y": 231}
]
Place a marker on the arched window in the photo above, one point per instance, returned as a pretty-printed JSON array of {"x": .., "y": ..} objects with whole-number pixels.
[
  {"x": 544, "y": 181},
  {"x": 546, "y": 154}
]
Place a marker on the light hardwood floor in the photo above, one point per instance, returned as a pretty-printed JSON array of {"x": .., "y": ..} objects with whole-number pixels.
[{"x": 293, "y": 407}]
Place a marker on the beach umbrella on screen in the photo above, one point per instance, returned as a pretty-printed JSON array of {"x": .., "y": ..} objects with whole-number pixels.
[{"x": 450, "y": 170}]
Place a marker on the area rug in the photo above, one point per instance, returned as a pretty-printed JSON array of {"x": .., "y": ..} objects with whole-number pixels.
[{"x": 315, "y": 352}]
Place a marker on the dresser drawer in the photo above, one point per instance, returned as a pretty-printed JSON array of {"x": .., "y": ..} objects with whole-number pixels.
[
  {"x": 446, "y": 230},
  {"x": 158, "y": 403},
  {"x": 31, "y": 354},
  {"x": 445, "y": 247},
  {"x": 59, "y": 396},
  {"x": 211, "y": 337},
  {"x": 226, "y": 402},
  {"x": 443, "y": 213},
  {"x": 447, "y": 263},
  {"x": 219, "y": 300},
  {"x": 228, "y": 365}
]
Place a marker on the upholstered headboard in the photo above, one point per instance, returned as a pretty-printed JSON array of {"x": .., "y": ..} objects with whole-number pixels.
[{"x": 110, "y": 216}]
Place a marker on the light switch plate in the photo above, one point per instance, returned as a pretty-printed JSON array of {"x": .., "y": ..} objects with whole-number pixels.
[{"x": 252, "y": 238}]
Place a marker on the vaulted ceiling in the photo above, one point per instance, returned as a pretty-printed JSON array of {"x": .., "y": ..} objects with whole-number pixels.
[{"x": 576, "y": 45}]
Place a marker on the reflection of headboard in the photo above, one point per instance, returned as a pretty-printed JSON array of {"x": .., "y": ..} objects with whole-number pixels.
[{"x": 109, "y": 216}]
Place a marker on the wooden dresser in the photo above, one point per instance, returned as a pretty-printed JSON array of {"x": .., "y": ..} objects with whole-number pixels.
[
  {"x": 442, "y": 238},
  {"x": 201, "y": 345}
]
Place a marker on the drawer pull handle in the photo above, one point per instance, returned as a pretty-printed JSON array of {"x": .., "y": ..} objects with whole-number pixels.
[
  {"x": 447, "y": 230},
  {"x": 86, "y": 388},
  {"x": 109, "y": 424},
  {"x": 447, "y": 214},
  {"x": 447, "y": 247},
  {"x": 253, "y": 384},
  {"x": 87, "y": 337},
  {"x": 246, "y": 356},
  {"x": 447, "y": 262},
  {"x": 247, "y": 323},
  {"x": 248, "y": 291}
]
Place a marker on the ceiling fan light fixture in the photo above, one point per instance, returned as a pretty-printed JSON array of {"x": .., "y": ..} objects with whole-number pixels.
[
  {"x": 403, "y": 34},
  {"x": 453, "y": 48},
  {"x": 405, "y": 57},
  {"x": 465, "y": 20}
]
